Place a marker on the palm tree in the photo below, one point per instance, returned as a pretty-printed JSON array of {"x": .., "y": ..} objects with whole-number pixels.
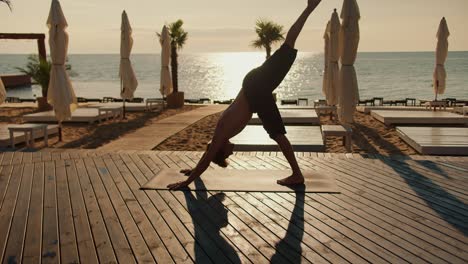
[
  {"x": 178, "y": 38},
  {"x": 8, "y": 2},
  {"x": 268, "y": 33}
]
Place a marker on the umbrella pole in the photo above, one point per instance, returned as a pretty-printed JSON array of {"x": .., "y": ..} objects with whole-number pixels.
[
  {"x": 60, "y": 131},
  {"x": 123, "y": 117}
]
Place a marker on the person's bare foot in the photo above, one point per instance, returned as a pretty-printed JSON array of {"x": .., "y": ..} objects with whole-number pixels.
[{"x": 291, "y": 180}]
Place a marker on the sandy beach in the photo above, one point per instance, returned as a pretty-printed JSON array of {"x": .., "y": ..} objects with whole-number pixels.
[
  {"x": 81, "y": 135},
  {"x": 369, "y": 135}
]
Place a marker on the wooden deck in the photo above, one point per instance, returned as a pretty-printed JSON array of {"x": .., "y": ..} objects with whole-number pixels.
[
  {"x": 293, "y": 117},
  {"x": 418, "y": 117},
  {"x": 86, "y": 207},
  {"x": 436, "y": 140}
]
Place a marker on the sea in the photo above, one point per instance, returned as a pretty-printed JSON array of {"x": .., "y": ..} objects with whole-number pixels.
[{"x": 218, "y": 76}]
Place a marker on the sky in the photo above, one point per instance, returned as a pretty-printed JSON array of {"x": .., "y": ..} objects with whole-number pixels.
[{"x": 225, "y": 26}]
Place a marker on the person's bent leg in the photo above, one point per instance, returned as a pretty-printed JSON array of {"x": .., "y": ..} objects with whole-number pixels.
[{"x": 286, "y": 148}]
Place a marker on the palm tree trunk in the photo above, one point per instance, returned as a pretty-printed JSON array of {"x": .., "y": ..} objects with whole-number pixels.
[
  {"x": 174, "y": 66},
  {"x": 268, "y": 51}
]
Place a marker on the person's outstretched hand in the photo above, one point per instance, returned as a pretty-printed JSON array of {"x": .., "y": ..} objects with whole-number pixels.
[
  {"x": 178, "y": 185},
  {"x": 186, "y": 172},
  {"x": 313, "y": 3}
]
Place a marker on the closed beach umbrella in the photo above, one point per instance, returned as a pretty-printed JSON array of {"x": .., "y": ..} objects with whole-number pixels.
[
  {"x": 333, "y": 57},
  {"x": 325, "y": 55},
  {"x": 60, "y": 93},
  {"x": 166, "y": 79},
  {"x": 2, "y": 92},
  {"x": 128, "y": 79},
  {"x": 349, "y": 42},
  {"x": 441, "y": 55}
]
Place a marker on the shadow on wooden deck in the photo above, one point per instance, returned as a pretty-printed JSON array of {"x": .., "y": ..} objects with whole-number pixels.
[{"x": 445, "y": 204}]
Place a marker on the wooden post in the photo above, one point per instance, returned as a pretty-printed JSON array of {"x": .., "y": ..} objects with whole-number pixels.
[
  {"x": 39, "y": 37},
  {"x": 41, "y": 48}
]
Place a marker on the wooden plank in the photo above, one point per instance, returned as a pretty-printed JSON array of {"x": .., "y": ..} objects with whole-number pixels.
[
  {"x": 33, "y": 240},
  {"x": 7, "y": 158},
  {"x": 291, "y": 241},
  {"x": 121, "y": 174},
  {"x": 27, "y": 157},
  {"x": 407, "y": 171},
  {"x": 394, "y": 237},
  {"x": 67, "y": 241},
  {"x": 17, "y": 157},
  {"x": 50, "y": 233},
  {"x": 8, "y": 207},
  {"x": 84, "y": 238},
  {"x": 140, "y": 172},
  {"x": 103, "y": 245},
  {"x": 5, "y": 176},
  {"x": 178, "y": 228},
  {"x": 137, "y": 242},
  {"x": 14, "y": 250},
  {"x": 37, "y": 156},
  {"x": 120, "y": 244},
  {"x": 336, "y": 241},
  {"x": 373, "y": 205},
  {"x": 206, "y": 237},
  {"x": 420, "y": 187},
  {"x": 403, "y": 206}
]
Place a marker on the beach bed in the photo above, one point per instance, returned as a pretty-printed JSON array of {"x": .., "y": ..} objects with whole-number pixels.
[
  {"x": 302, "y": 138},
  {"x": 19, "y": 137},
  {"x": 80, "y": 115},
  {"x": 418, "y": 117},
  {"x": 291, "y": 117},
  {"x": 129, "y": 107},
  {"x": 436, "y": 140},
  {"x": 296, "y": 107},
  {"x": 366, "y": 109}
]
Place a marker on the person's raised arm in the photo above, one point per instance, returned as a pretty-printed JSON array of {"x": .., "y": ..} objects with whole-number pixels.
[{"x": 296, "y": 28}]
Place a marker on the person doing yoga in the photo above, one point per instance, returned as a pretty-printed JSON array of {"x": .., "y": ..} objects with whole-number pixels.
[{"x": 256, "y": 97}]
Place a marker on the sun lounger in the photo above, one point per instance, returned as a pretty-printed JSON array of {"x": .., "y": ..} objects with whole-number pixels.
[
  {"x": 418, "y": 117},
  {"x": 26, "y": 134},
  {"x": 292, "y": 117},
  {"x": 338, "y": 131},
  {"x": 87, "y": 115},
  {"x": 302, "y": 138},
  {"x": 436, "y": 140}
]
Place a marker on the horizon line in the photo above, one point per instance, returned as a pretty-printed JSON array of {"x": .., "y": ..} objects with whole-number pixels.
[{"x": 201, "y": 52}]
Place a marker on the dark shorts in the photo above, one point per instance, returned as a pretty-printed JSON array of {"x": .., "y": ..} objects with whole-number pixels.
[{"x": 259, "y": 84}]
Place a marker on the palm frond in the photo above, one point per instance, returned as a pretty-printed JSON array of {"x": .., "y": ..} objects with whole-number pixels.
[
  {"x": 8, "y": 2},
  {"x": 178, "y": 35},
  {"x": 268, "y": 33}
]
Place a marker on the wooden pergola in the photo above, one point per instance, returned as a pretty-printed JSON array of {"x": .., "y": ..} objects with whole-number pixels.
[{"x": 39, "y": 37}]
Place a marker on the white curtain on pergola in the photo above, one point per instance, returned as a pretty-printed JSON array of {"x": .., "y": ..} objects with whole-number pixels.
[
  {"x": 2, "y": 92},
  {"x": 349, "y": 42},
  {"x": 440, "y": 75},
  {"x": 60, "y": 93},
  {"x": 333, "y": 58},
  {"x": 128, "y": 79},
  {"x": 166, "y": 79}
]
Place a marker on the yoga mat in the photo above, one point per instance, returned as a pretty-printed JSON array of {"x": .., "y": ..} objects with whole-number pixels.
[{"x": 228, "y": 180}]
